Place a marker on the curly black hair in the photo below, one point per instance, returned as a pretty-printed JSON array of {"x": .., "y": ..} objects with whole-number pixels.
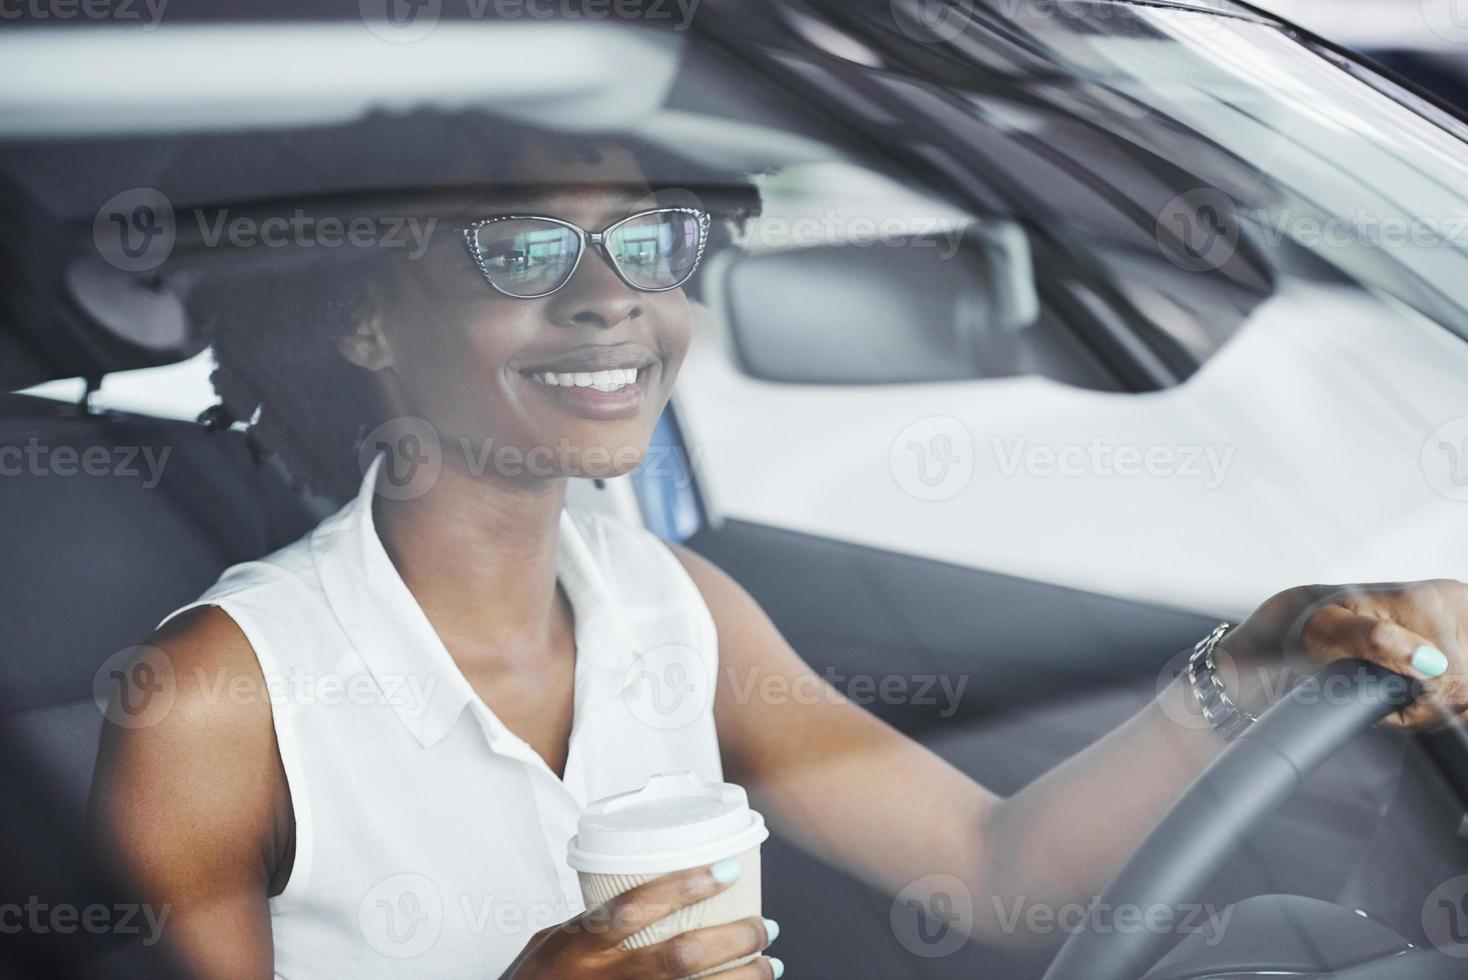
[
  {"x": 280, "y": 372},
  {"x": 276, "y": 324}
]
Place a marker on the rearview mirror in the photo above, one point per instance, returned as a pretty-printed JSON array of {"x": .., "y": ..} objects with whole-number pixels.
[{"x": 896, "y": 311}]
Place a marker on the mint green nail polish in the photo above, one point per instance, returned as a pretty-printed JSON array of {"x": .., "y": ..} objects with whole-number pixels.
[
  {"x": 1430, "y": 661},
  {"x": 729, "y": 871},
  {"x": 772, "y": 930},
  {"x": 777, "y": 968}
]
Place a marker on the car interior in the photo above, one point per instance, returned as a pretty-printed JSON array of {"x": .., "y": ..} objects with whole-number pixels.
[{"x": 1319, "y": 883}]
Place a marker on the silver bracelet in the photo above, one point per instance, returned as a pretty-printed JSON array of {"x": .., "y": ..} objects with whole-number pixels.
[{"x": 1226, "y": 718}]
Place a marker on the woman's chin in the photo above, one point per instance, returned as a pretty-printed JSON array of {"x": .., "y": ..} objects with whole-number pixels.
[{"x": 607, "y": 462}]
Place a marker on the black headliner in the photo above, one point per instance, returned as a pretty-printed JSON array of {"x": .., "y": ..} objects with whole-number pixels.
[{"x": 49, "y": 191}]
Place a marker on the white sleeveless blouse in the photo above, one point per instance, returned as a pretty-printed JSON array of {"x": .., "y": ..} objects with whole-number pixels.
[{"x": 431, "y": 840}]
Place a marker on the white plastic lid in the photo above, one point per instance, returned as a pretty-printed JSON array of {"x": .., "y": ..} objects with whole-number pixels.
[{"x": 676, "y": 821}]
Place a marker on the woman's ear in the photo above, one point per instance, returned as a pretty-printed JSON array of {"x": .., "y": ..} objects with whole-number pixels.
[{"x": 366, "y": 345}]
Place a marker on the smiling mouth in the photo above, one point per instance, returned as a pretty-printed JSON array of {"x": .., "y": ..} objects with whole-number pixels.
[
  {"x": 596, "y": 381},
  {"x": 613, "y": 380}
]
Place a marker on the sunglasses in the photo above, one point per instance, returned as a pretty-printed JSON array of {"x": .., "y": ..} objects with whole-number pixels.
[{"x": 530, "y": 256}]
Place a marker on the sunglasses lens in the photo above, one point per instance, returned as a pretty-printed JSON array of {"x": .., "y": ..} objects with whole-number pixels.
[
  {"x": 527, "y": 256},
  {"x": 658, "y": 250}
]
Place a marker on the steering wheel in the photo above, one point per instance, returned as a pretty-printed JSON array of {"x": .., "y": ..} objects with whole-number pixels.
[{"x": 1255, "y": 774}]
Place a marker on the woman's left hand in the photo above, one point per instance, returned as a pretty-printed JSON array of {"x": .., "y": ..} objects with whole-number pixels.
[{"x": 1415, "y": 629}]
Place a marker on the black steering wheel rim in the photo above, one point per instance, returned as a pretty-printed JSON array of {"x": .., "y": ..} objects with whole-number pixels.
[{"x": 1256, "y": 773}]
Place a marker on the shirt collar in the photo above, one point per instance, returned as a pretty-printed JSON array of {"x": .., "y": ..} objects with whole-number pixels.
[{"x": 399, "y": 647}]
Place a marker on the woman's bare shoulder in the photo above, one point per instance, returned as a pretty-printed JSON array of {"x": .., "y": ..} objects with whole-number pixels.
[
  {"x": 216, "y": 683},
  {"x": 189, "y": 779}
]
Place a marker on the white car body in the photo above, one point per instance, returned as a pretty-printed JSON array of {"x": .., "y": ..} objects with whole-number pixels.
[{"x": 1227, "y": 526}]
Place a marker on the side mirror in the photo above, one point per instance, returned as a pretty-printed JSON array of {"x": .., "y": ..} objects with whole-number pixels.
[{"x": 922, "y": 309}]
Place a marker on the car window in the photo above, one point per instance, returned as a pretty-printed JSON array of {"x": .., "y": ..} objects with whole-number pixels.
[
  {"x": 174, "y": 391},
  {"x": 1013, "y": 351},
  {"x": 1263, "y": 250}
]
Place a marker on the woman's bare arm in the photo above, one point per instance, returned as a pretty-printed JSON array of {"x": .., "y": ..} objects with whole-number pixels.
[
  {"x": 198, "y": 805},
  {"x": 829, "y": 775},
  {"x": 852, "y": 789},
  {"x": 194, "y": 798}
]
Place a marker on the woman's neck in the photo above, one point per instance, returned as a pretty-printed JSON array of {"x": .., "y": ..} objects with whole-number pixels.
[{"x": 479, "y": 555}]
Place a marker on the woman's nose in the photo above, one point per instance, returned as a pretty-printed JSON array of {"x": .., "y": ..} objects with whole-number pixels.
[{"x": 594, "y": 296}]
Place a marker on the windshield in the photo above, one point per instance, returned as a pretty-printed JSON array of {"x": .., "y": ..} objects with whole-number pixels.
[
  {"x": 867, "y": 405},
  {"x": 1222, "y": 142}
]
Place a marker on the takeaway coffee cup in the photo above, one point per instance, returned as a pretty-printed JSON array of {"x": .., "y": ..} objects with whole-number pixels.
[{"x": 676, "y": 822}]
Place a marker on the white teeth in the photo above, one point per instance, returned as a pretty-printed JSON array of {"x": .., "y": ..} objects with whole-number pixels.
[{"x": 600, "y": 380}]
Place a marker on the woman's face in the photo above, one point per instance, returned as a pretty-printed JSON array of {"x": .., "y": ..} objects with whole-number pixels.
[{"x": 473, "y": 362}]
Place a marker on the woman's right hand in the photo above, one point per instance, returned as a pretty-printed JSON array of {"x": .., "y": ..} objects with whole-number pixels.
[{"x": 587, "y": 946}]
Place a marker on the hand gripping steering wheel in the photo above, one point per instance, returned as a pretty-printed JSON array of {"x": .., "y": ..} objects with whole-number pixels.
[{"x": 1255, "y": 774}]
